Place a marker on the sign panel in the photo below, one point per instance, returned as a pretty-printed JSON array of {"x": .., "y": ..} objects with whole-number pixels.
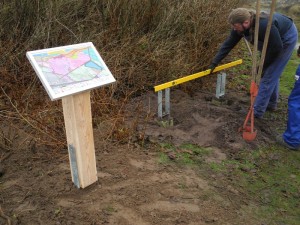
[{"x": 70, "y": 69}]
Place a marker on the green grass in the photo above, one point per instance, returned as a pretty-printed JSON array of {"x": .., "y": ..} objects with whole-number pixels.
[
  {"x": 185, "y": 154},
  {"x": 217, "y": 167},
  {"x": 271, "y": 176},
  {"x": 109, "y": 209},
  {"x": 287, "y": 79},
  {"x": 163, "y": 158}
]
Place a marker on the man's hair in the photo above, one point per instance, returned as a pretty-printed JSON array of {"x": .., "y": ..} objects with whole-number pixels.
[{"x": 239, "y": 15}]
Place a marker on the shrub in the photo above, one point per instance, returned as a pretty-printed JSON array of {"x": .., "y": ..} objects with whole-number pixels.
[{"x": 143, "y": 42}]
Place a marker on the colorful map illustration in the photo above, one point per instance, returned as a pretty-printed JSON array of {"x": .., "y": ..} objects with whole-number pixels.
[{"x": 70, "y": 69}]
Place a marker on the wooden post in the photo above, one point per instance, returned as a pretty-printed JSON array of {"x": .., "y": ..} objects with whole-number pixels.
[{"x": 79, "y": 131}]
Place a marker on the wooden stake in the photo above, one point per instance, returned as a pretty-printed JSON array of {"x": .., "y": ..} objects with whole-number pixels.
[
  {"x": 266, "y": 41},
  {"x": 79, "y": 130}
]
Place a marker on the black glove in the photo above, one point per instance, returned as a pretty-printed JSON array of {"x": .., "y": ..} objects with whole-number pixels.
[
  {"x": 212, "y": 67},
  {"x": 298, "y": 51}
]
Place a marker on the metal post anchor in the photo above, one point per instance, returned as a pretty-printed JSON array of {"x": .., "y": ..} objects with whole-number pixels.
[
  {"x": 163, "y": 111},
  {"x": 220, "y": 87}
]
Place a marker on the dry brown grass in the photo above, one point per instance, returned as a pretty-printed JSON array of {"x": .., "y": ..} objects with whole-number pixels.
[{"x": 143, "y": 42}]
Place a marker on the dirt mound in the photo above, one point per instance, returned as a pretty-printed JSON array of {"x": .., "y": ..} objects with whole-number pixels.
[{"x": 204, "y": 120}]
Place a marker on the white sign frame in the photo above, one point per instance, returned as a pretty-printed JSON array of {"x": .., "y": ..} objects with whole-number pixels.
[{"x": 96, "y": 75}]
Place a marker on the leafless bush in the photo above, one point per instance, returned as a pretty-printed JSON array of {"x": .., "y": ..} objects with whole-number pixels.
[{"x": 143, "y": 42}]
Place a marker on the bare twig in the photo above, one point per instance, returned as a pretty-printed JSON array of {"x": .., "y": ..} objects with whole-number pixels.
[
  {"x": 67, "y": 29},
  {"x": 4, "y": 216},
  {"x": 26, "y": 120},
  {"x": 5, "y": 157}
]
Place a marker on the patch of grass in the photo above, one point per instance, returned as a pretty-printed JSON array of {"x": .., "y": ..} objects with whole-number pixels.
[
  {"x": 163, "y": 158},
  {"x": 287, "y": 79},
  {"x": 109, "y": 209},
  {"x": 270, "y": 176},
  {"x": 240, "y": 76},
  {"x": 186, "y": 159},
  {"x": 217, "y": 167},
  {"x": 167, "y": 146},
  {"x": 186, "y": 154}
]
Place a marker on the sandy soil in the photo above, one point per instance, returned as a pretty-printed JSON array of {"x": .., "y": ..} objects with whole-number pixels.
[{"x": 135, "y": 187}]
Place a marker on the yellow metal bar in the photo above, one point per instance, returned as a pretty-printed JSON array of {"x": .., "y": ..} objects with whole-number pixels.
[{"x": 194, "y": 76}]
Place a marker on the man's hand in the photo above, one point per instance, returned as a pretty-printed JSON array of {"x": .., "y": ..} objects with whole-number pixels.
[{"x": 212, "y": 67}]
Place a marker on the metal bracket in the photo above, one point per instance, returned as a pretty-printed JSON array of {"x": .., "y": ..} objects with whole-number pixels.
[
  {"x": 164, "y": 101},
  {"x": 220, "y": 87},
  {"x": 74, "y": 167},
  {"x": 163, "y": 111}
]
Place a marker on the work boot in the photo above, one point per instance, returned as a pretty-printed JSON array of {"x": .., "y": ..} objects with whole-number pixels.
[
  {"x": 258, "y": 117},
  {"x": 280, "y": 140}
]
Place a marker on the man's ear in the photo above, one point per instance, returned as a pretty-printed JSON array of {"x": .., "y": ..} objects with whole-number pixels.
[{"x": 247, "y": 23}]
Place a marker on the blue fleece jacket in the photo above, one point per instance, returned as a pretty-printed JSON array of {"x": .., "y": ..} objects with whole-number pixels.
[{"x": 280, "y": 25}]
